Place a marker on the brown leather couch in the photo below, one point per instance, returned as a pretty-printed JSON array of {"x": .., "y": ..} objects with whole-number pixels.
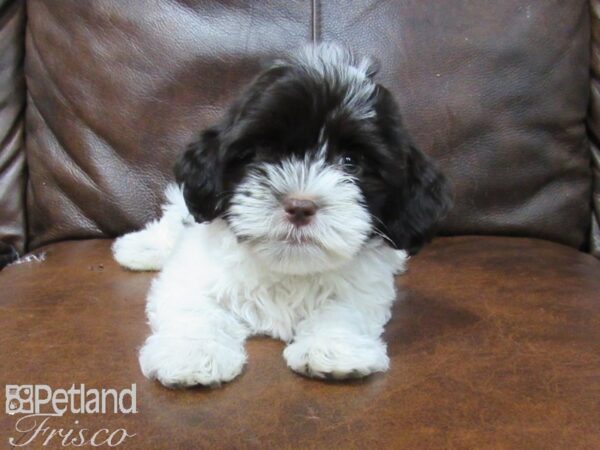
[{"x": 495, "y": 339}]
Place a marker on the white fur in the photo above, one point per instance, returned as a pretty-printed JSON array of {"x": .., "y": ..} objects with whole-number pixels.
[
  {"x": 213, "y": 292},
  {"x": 338, "y": 231},
  {"x": 338, "y": 66},
  {"x": 148, "y": 248}
]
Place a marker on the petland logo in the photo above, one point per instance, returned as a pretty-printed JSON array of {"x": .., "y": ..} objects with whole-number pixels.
[{"x": 39, "y": 403}]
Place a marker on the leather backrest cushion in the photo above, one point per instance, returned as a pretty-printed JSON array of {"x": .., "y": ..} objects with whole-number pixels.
[
  {"x": 496, "y": 91},
  {"x": 12, "y": 105}
]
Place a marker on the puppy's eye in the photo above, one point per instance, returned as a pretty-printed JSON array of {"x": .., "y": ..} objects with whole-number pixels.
[{"x": 351, "y": 165}]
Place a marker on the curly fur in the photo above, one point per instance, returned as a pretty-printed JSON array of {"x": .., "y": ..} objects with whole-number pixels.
[{"x": 313, "y": 126}]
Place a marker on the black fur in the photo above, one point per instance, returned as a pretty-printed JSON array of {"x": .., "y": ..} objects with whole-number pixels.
[
  {"x": 8, "y": 254},
  {"x": 282, "y": 113}
]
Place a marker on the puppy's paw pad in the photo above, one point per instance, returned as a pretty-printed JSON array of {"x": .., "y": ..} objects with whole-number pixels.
[
  {"x": 180, "y": 363},
  {"x": 337, "y": 358}
]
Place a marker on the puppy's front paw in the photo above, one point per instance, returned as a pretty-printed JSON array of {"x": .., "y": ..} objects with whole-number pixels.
[
  {"x": 339, "y": 358},
  {"x": 141, "y": 250},
  {"x": 180, "y": 362}
]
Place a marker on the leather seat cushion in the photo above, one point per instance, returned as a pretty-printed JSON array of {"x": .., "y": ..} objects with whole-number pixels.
[{"x": 493, "y": 342}]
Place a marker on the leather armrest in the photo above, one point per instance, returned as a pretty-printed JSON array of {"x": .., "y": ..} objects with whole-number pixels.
[{"x": 12, "y": 102}]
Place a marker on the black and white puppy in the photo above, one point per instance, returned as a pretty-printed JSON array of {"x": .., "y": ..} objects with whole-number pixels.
[{"x": 290, "y": 219}]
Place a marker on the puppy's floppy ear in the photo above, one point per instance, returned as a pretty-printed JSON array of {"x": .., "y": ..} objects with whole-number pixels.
[
  {"x": 415, "y": 208},
  {"x": 418, "y": 193},
  {"x": 198, "y": 171}
]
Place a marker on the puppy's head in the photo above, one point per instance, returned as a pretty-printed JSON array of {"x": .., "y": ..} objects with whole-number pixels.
[{"x": 311, "y": 162}]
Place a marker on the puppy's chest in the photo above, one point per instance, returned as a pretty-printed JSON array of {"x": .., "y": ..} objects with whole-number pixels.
[{"x": 275, "y": 306}]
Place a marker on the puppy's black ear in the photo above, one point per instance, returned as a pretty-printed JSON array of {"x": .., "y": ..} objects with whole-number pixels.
[
  {"x": 198, "y": 172},
  {"x": 418, "y": 193},
  {"x": 415, "y": 208}
]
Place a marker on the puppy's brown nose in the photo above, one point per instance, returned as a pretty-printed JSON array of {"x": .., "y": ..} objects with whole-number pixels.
[{"x": 299, "y": 211}]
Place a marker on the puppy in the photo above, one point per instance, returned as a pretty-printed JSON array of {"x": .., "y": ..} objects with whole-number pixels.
[{"x": 290, "y": 219}]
